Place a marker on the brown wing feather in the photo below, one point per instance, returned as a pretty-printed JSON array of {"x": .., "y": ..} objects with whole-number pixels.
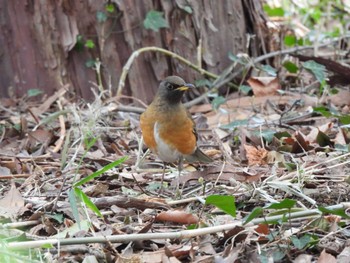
[{"x": 147, "y": 121}]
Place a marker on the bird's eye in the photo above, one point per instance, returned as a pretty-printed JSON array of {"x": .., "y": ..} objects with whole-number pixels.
[{"x": 169, "y": 86}]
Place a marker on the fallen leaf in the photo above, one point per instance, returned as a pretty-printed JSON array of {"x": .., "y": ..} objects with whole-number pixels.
[
  {"x": 177, "y": 216},
  {"x": 11, "y": 203},
  {"x": 264, "y": 86},
  {"x": 344, "y": 256},
  {"x": 256, "y": 156},
  {"x": 342, "y": 98},
  {"x": 303, "y": 258},
  {"x": 326, "y": 258},
  {"x": 340, "y": 138},
  {"x": 300, "y": 145},
  {"x": 96, "y": 189}
]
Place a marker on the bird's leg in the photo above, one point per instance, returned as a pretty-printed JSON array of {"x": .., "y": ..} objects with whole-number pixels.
[
  {"x": 179, "y": 167},
  {"x": 162, "y": 180}
]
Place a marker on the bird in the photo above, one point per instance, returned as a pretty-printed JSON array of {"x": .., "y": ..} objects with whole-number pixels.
[{"x": 167, "y": 127}]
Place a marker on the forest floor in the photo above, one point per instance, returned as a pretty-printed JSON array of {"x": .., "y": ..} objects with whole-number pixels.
[{"x": 77, "y": 185}]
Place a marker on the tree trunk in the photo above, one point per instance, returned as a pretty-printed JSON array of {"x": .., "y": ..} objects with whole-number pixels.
[{"x": 41, "y": 50}]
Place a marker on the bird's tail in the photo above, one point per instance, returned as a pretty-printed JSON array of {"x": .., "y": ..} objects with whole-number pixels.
[{"x": 198, "y": 156}]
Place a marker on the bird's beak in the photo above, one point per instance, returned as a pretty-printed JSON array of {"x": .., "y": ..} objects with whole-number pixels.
[{"x": 186, "y": 87}]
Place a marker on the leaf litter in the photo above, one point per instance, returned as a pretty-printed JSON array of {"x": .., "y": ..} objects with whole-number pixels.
[{"x": 278, "y": 189}]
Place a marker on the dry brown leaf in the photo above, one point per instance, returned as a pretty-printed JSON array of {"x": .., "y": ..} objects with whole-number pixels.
[
  {"x": 40, "y": 136},
  {"x": 326, "y": 258},
  {"x": 340, "y": 137},
  {"x": 344, "y": 256},
  {"x": 256, "y": 156},
  {"x": 263, "y": 229},
  {"x": 342, "y": 98},
  {"x": 96, "y": 189},
  {"x": 301, "y": 144},
  {"x": 303, "y": 258},
  {"x": 49, "y": 101},
  {"x": 264, "y": 86},
  {"x": 177, "y": 216},
  {"x": 275, "y": 157},
  {"x": 11, "y": 203}
]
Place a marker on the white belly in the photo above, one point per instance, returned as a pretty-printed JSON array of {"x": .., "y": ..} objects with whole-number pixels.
[{"x": 164, "y": 151}]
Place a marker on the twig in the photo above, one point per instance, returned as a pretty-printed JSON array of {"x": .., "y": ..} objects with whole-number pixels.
[
  {"x": 60, "y": 140},
  {"x": 167, "y": 235},
  {"x": 19, "y": 224},
  {"x": 136, "y": 53},
  {"x": 273, "y": 54},
  {"x": 3, "y": 177}
]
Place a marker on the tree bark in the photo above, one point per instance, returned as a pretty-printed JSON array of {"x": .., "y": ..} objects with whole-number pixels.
[{"x": 40, "y": 46}]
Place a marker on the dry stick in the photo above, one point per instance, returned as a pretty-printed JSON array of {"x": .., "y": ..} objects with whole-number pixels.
[
  {"x": 60, "y": 141},
  {"x": 8, "y": 177},
  {"x": 136, "y": 53},
  {"x": 19, "y": 224},
  {"x": 273, "y": 54},
  {"x": 313, "y": 169},
  {"x": 166, "y": 235}
]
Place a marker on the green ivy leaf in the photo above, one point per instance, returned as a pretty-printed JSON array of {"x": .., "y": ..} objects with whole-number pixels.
[
  {"x": 323, "y": 139},
  {"x": 290, "y": 40},
  {"x": 245, "y": 89},
  {"x": 269, "y": 70},
  {"x": 290, "y": 66},
  {"x": 266, "y": 134},
  {"x": 323, "y": 111},
  {"x": 58, "y": 217},
  {"x": 224, "y": 202},
  {"x": 34, "y": 92},
  {"x": 277, "y": 11},
  {"x": 334, "y": 91},
  {"x": 286, "y": 203},
  {"x": 302, "y": 242},
  {"x": 89, "y": 43},
  {"x": 110, "y": 8},
  {"x": 217, "y": 102},
  {"x": 79, "y": 44},
  {"x": 344, "y": 119},
  {"x": 188, "y": 9},
  {"x": 338, "y": 212},
  {"x": 236, "y": 59},
  {"x": 342, "y": 148},
  {"x": 101, "y": 16},
  {"x": 154, "y": 21},
  {"x": 317, "y": 69},
  {"x": 257, "y": 211},
  {"x": 90, "y": 63},
  {"x": 202, "y": 83},
  {"x": 284, "y": 134}
]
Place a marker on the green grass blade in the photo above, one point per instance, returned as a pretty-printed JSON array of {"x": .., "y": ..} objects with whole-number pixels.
[
  {"x": 87, "y": 201},
  {"x": 101, "y": 171},
  {"x": 74, "y": 205}
]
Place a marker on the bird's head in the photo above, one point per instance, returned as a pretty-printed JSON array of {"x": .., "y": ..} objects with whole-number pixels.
[{"x": 172, "y": 88}]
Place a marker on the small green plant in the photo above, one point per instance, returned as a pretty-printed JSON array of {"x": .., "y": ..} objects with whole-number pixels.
[
  {"x": 76, "y": 195},
  {"x": 154, "y": 20},
  {"x": 226, "y": 203}
]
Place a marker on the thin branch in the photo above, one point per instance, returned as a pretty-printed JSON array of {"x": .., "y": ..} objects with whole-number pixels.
[
  {"x": 136, "y": 53},
  {"x": 167, "y": 235}
]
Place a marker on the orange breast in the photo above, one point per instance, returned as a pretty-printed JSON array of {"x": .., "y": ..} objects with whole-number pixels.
[
  {"x": 175, "y": 129},
  {"x": 178, "y": 132}
]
